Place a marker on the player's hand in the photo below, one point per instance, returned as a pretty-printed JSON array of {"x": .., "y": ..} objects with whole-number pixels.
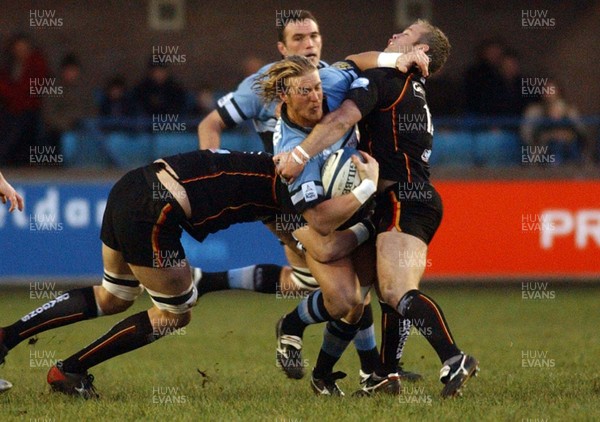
[
  {"x": 286, "y": 167},
  {"x": 367, "y": 170},
  {"x": 8, "y": 193},
  {"x": 417, "y": 57}
]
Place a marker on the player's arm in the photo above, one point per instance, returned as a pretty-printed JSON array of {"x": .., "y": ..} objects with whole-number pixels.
[
  {"x": 334, "y": 246},
  {"x": 232, "y": 110},
  {"x": 210, "y": 129},
  {"x": 328, "y": 215},
  {"x": 325, "y": 134},
  {"x": 401, "y": 61}
]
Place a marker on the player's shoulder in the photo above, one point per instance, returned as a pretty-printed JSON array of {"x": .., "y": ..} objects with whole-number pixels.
[{"x": 380, "y": 76}]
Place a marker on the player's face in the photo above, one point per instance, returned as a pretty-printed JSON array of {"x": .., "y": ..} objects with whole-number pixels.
[
  {"x": 302, "y": 38},
  {"x": 406, "y": 40},
  {"x": 304, "y": 99}
]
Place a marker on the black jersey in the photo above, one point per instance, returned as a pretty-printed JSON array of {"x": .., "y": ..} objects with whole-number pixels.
[
  {"x": 225, "y": 188},
  {"x": 396, "y": 127}
]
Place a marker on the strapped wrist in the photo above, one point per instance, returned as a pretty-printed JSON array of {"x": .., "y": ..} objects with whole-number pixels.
[
  {"x": 365, "y": 190},
  {"x": 388, "y": 59}
]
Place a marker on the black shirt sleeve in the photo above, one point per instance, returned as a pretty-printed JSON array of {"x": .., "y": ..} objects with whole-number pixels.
[{"x": 375, "y": 89}]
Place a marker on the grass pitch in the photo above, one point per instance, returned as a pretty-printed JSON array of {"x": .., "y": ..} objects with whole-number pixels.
[{"x": 538, "y": 356}]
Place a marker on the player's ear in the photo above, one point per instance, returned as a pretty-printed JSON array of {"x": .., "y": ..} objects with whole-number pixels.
[
  {"x": 282, "y": 48},
  {"x": 423, "y": 47}
]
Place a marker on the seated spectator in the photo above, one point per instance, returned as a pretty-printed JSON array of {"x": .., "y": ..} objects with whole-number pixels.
[
  {"x": 553, "y": 127},
  {"x": 25, "y": 70},
  {"x": 115, "y": 102},
  {"x": 159, "y": 93},
  {"x": 65, "y": 112}
]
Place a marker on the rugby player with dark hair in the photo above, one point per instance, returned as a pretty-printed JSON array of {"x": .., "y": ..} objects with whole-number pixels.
[
  {"x": 409, "y": 209},
  {"x": 201, "y": 192}
]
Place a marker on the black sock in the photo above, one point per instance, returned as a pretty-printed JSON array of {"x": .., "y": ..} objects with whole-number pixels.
[
  {"x": 266, "y": 278},
  {"x": 129, "y": 334},
  {"x": 427, "y": 317},
  {"x": 212, "y": 282},
  {"x": 365, "y": 343},
  {"x": 310, "y": 310},
  {"x": 73, "y": 306},
  {"x": 263, "y": 278},
  {"x": 390, "y": 338},
  {"x": 336, "y": 337}
]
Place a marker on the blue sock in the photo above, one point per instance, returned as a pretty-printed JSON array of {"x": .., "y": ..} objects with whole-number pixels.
[
  {"x": 365, "y": 342},
  {"x": 311, "y": 310},
  {"x": 336, "y": 337}
]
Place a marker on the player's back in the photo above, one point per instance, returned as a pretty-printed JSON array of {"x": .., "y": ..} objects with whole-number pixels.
[
  {"x": 225, "y": 188},
  {"x": 398, "y": 132}
]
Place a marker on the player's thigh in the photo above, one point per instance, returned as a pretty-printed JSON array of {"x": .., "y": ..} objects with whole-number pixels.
[
  {"x": 337, "y": 281},
  {"x": 364, "y": 260},
  {"x": 113, "y": 261},
  {"x": 401, "y": 261},
  {"x": 171, "y": 281}
]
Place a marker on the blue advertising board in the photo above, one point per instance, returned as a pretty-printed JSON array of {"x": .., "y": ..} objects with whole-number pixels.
[{"x": 58, "y": 235}]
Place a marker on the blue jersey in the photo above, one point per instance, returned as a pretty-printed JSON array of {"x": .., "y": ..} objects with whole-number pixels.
[
  {"x": 245, "y": 103},
  {"x": 307, "y": 189}
]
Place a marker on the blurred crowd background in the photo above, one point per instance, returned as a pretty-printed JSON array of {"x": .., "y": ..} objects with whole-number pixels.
[{"x": 98, "y": 84}]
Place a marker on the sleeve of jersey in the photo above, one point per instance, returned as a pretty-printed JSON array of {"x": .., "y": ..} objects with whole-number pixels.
[
  {"x": 240, "y": 105},
  {"x": 307, "y": 190},
  {"x": 364, "y": 92}
]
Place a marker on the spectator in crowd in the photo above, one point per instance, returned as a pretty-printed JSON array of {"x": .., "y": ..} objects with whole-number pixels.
[
  {"x": 115, "y": 101},
  {"x": 66, "y": 111},
  {"x": 22, "y": 89},
  {"x": 555, "y": 127},
  {"x": 511, "y": 100},
  {"x": 483, "y": 80},
  {"x": 159, "y": 93}
]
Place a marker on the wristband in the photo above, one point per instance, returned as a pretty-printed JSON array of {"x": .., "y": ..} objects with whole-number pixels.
[
  {"x": 387, "y": 59},
  {"x": 304, "y": 153},
  {"x": 364, "y": 191},
  {"x": 361, "y": 232},
  {"x": 297, "y": 159}
]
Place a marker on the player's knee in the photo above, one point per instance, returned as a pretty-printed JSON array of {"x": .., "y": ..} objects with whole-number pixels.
[
  {"x": 179, "y": 304},
  {"x": 390, "y": 295},
  {"x": 108, "y": 303},
  {"x": 117, "y": 292},
  {"x": 343, "y": 304}
]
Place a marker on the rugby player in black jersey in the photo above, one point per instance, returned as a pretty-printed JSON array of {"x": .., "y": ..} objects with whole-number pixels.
[
  {"x": 409, "y": 209},
  {"x": 201, "y": 192}
]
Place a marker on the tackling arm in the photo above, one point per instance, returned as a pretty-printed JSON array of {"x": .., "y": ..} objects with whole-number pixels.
[
  {"x": 328, "y": 215},
  {"x": 326, "y": 133}
]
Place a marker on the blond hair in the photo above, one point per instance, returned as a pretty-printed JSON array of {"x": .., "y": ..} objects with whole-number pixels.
[{"x": 278, "y": 79}]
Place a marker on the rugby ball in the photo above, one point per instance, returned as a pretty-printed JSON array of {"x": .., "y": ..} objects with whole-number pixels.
[{"x": 339, "y": 174}]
